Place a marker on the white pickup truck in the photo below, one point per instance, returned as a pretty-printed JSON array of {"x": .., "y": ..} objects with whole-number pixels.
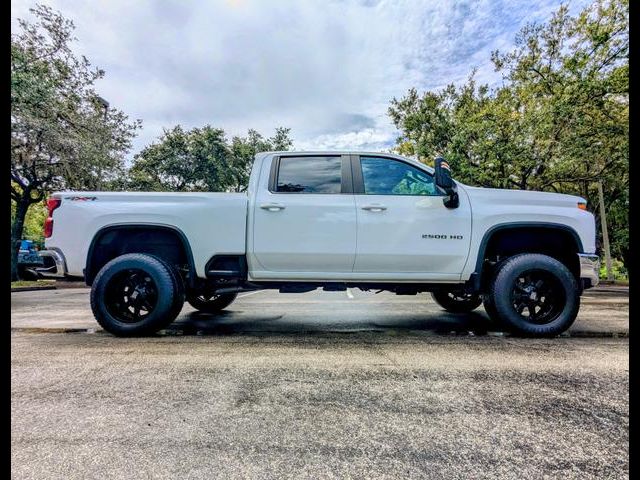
[{"x": 331, "y": 220}]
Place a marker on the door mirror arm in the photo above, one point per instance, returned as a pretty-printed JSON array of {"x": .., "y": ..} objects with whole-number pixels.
[{"x": 452, "y": 200}]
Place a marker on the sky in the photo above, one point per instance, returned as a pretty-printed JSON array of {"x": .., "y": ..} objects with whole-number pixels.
[{"x": 327, "y": 69}]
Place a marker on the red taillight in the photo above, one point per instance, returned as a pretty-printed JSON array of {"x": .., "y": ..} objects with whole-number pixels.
[
  {"x": 48, "y": 227},
  {"x": 52, "y": 204}
]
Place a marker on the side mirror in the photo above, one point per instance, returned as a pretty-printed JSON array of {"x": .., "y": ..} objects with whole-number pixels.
[{"x": 445, "y": 183}]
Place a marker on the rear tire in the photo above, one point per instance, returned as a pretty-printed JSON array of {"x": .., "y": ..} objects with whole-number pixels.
[
  {"x": 210, "y": 303},
  {"x": 535, "y": 295},
  {"x": 178, "y": 283},
  {"x": 136, "y": 294},
  {"x": 456, "y": 302}
]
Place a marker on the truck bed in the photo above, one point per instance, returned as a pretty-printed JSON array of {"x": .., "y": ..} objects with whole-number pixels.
[{"x": 214, "y": 223}]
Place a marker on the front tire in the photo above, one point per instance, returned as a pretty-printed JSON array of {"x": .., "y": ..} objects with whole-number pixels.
[
  {"x": 210, "y": 303},
  {"x": 488, "y": 302},
  {"x": 456, "y": 302},
  {"x": 490, "y": 308},
  {"x": 135, "y": 294},
  {"x": 535, "y": 295}
]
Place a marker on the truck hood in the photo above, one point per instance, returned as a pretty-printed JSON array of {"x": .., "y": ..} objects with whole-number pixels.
[{"x": 521, "y": 197}]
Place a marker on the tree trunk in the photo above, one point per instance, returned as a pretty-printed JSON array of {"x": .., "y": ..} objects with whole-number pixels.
[
  {"x": 16, "y": 231},
  {"x": 626, "y": 260}
]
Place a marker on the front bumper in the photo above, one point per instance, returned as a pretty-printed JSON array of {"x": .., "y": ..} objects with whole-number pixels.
[{"x": 589, "y": 269}]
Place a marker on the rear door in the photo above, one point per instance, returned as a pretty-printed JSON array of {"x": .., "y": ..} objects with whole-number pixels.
[
  {"x": 305, "y": 221},
  {"x": 404, "y": 228}
]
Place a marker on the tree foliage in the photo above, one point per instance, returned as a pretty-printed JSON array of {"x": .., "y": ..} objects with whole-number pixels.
[
  {"x": 200, "y": 159},
  {"x": 33, "y": 222},
  {"x": 558, "y": 122},
  {"x": 244, "y": 149},
  {"x": 61, "y": 134}
]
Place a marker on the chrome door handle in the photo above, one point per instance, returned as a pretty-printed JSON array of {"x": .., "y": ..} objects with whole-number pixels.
[
  {"x": 272, "y": 207},
  {"x": 374, "y": 207}
]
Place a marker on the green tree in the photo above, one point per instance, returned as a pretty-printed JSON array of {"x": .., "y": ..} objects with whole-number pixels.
[
  {"x": 244, "y": 149},
  {"x": 558, "y": 122},
  {"x": 33, "y": 222},
  {"x": 61, "y": 135},
  {"x": 183, "y": 161},
  {"x": 200, "y": 159}
]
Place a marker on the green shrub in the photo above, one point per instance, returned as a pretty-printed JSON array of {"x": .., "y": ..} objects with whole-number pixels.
[{"x": 619, "y": 270}]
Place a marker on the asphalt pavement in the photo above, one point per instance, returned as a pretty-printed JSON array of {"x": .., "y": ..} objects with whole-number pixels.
[
  {"x": 318, "y": 385},
  {"x": 604, "y": 312}
]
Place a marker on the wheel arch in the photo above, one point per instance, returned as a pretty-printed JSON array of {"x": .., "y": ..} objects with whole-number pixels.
[
  {"x": 94, "y": 264},
  {"x": 495, "y": 237}
]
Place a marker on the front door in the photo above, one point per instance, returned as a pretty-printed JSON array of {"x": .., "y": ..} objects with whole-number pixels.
[
  {"x": 305, "y": 221},
  {"x": 404, "y": 229}
]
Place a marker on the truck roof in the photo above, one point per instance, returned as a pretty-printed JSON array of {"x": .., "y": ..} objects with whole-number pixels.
[
  {"x": 326, "y": 152},
  {"x": 342, "y": 152}
]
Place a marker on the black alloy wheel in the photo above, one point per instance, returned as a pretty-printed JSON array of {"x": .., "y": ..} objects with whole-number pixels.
[
  {"x": 538, "y": 296},
  {"x": 131, "y": 295},
  {"x": 210, "y": 302},
  {"x": 457, "y": 301}
]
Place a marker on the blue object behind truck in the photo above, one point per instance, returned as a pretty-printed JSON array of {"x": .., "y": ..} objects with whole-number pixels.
[{"x": 28, "y": 255}]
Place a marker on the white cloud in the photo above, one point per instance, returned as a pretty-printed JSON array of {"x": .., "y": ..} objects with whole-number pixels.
[
  {"x": 370, "y": 139},
  {"x": 327, "y": 69}
]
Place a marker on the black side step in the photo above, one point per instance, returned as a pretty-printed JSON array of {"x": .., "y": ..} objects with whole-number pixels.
[{"x": 223, "y": 273}]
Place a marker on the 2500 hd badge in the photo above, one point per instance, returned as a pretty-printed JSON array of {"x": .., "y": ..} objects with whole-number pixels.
[{"x": 442, "y": 237}]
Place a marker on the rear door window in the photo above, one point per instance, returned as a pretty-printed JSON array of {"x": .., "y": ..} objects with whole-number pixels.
[{"x": 321, "y": 174}]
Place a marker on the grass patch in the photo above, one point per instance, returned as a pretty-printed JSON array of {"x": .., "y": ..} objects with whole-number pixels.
[{"x": 33, "y": 283}]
